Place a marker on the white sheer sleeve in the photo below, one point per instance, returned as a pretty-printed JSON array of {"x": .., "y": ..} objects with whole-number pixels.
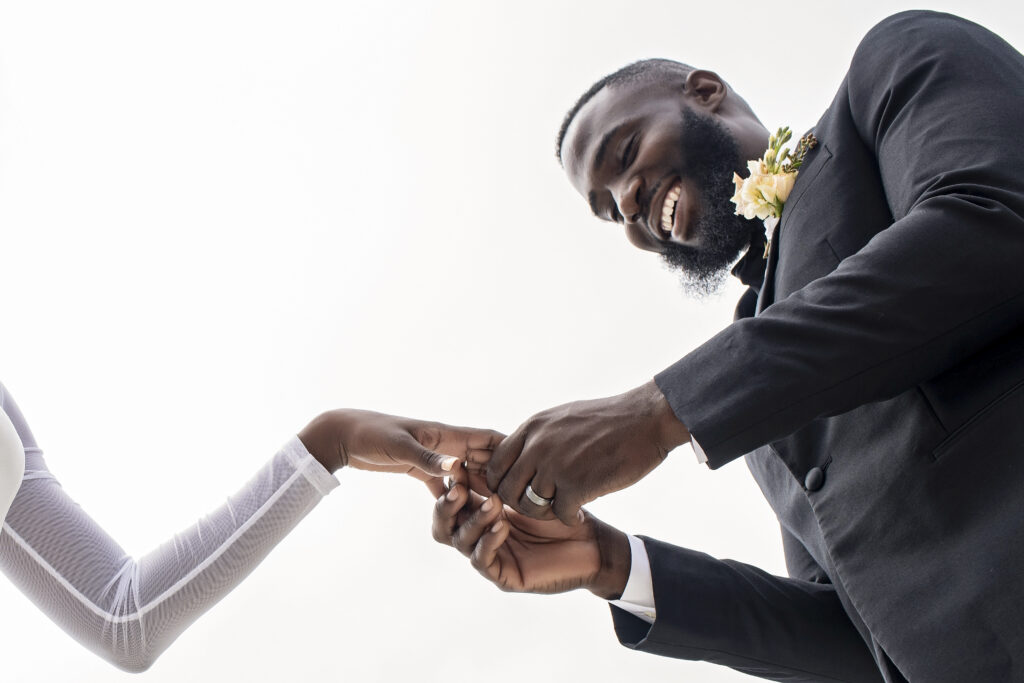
[
  {"x": 130, "y": 610},
  {"x": 12, "y": 463}
]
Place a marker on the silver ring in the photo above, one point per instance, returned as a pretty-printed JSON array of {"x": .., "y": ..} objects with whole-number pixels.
[{"x": 539, "y": 501}]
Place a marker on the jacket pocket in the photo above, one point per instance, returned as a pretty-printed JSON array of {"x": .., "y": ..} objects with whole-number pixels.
[{"x": 996, "y": 426}]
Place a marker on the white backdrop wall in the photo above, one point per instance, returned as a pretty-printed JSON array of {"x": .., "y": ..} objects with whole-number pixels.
[{"x": 220, "y": 218}]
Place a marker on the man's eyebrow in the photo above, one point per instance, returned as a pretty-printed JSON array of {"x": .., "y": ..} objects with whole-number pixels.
[{"x": 605, "y": 141}]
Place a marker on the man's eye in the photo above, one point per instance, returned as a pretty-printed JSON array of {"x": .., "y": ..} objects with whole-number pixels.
[{"x": 629, "y": 153}]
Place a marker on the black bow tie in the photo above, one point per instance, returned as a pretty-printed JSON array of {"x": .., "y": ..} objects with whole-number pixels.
[{"x": 750, "y": 268}]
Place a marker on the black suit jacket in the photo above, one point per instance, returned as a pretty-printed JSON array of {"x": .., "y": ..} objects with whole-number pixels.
[{"x": 878, "y": 393}]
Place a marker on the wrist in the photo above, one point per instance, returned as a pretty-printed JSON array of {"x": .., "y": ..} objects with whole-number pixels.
[
  {"x": 325, "y": 437},
  {"x": 670, "y": 431},
  {"x": 615, "y": 561}
]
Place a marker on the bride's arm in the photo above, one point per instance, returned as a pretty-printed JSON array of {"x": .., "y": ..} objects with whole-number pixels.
[{"x": 129, "y": 610}]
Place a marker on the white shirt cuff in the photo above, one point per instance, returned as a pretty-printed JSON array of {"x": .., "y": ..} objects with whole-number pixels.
[
  {"x": 638, "y": 595},
  {"x": 702, "y": 457}
]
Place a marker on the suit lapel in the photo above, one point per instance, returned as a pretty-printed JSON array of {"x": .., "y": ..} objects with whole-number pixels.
[
  {"x": 767, "y": 293},
  {"x": 809, "y": 171}
]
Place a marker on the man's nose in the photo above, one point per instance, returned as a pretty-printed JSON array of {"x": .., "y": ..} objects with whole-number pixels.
[{"x": 628, "y": 199}]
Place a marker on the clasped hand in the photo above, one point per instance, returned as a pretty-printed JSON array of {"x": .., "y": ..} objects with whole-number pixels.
[
  {"x": 567, "y": 456},
  {"x": 520, "y": 554},
  {"x": 571, "y": 454}
]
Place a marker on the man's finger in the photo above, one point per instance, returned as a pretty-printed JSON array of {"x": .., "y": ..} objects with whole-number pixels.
[
  {"x": 467, "y": 535},
  {"x": 485, "y": 554},
  {"x": 505, "y": 455},
  {"x": 436, "y": 486},
  {"x": 470, "y": 531},
  {"x": 522, "y": 474},
  {"x": 530, "y": 507},
  {"x": 566, "y": 507},
  {"x": 446, "y": 509},
  {"x": 478, "y": 483}
]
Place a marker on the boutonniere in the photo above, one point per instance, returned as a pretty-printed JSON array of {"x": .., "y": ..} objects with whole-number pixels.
[{"x": 764, "y": 193}]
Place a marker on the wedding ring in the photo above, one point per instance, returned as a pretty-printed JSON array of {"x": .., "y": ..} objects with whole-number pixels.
[{"x": 539, "y": 501}]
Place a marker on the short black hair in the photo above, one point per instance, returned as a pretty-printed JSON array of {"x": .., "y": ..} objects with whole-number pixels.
[{"x": 645, "y": 70}]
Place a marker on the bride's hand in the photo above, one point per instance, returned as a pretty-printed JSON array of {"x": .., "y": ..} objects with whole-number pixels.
[{"x": 385, "y": 443}]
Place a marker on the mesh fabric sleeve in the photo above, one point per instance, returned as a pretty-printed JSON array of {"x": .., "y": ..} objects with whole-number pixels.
[{"x": 129, "y": 610}]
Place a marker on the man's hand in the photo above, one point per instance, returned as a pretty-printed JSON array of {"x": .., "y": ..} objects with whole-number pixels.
[
  {"x": 579, "y": 451},
  {"x": 385, "y": 443},
  {"x": 520, "y": 554}
]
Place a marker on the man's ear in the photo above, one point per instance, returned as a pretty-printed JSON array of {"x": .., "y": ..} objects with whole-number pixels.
[{"x": 705, "y": 89}]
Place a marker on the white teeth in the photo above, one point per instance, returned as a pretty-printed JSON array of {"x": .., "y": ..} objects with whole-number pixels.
[{"x": 669, "y": 207}]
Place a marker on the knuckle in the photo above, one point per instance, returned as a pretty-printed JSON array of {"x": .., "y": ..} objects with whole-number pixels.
[
  {"x": 427, "y": 434},
  {"x": 474, "y": 558},
  {"x": 460, "y": 543},
  {"x": 535, "y": 512},
  {"x": 506, "y": 493},
  {"x": 565, "y": 512}
]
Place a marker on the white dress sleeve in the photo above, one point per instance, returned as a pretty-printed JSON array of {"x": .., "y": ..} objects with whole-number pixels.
[
  {"x": 129, "y": 610},
  {"x": 12, "y": 463}
]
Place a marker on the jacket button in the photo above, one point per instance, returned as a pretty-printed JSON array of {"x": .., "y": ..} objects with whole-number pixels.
[{"x": 814, "y": 479}]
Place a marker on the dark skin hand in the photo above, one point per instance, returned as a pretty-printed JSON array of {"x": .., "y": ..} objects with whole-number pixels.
[
  {"x": 377, "y": 442},
  {"x": 524, "y": 555},
  {"x": 580, "y": 451}
]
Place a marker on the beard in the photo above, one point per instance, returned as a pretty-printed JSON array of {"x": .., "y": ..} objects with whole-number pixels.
[{"x": 712, "y": 155}]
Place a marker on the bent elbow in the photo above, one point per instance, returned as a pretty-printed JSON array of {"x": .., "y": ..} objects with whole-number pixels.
[
  {"x": 129, "y": 660},
  {"x": 134, "y": 666}
]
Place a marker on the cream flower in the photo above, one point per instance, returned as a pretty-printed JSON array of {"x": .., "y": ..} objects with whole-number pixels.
[
  {"x": 784, "y": 185},
  {"x": 764, "y": 193}
]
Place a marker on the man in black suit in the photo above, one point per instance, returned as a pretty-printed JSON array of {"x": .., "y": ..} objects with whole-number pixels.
[{"x": 873, "y": 379}]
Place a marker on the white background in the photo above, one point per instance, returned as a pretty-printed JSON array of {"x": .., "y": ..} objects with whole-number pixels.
[{"x": 220, "y": 218}]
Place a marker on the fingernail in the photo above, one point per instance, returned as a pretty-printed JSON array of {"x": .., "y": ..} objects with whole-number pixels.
[
  {"x": 496, "y": 527},
  {"x": 448, "y": 463},
  {"x": 453, "y": 494},
  {"x": 488, "y": 504}
]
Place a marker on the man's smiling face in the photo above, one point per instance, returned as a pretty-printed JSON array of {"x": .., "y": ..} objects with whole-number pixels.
[{"x": 644, "y": 156}]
